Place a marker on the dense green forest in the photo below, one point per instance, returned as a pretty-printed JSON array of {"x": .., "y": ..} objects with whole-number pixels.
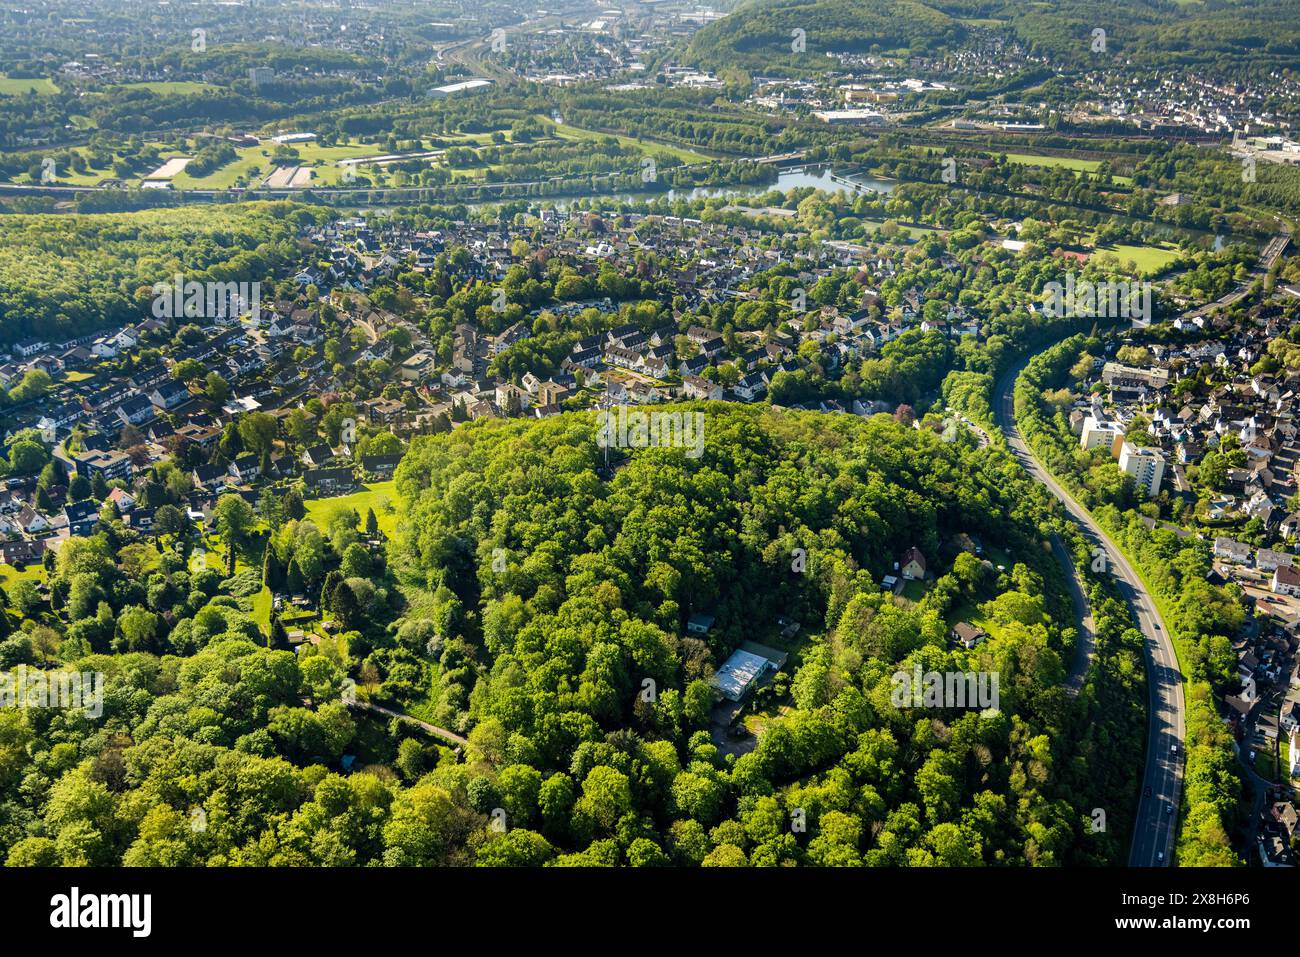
[
  {"x": 64, "y": 276},
  {"x": 533, "y": 601}
]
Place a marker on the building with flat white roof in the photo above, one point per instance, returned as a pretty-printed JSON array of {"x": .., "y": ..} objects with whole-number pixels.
[
  {"x": 293, "y": 138},
  {"x": 465, "y": 86},
  {"x": 1147, "y": 466},
  {"x": 748, "y": 665},
  {"x": 850, "y": 117},
  {"x": 1099, "y": 434}
]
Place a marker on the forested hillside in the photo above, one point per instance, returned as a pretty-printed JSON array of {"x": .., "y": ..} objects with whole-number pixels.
[
  {"x": 759, "y": 36},
  {"x": 1154, "y": 33},
  {"x": 64, "y": 276},
  {"x": 538, "y": 601}
]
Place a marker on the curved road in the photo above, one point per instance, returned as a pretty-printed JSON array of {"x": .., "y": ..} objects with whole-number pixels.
[
  {"x": 1155, "y": 827},
  {"x": 1087, "y": 644}
]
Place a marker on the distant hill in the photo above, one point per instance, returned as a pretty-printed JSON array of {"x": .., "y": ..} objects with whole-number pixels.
[
  {"x": 1247, "y": 36},
  {"x": 757, "y": 37}
]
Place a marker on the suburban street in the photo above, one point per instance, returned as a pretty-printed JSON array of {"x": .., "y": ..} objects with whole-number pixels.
[{"x": 1155, "y": 826}]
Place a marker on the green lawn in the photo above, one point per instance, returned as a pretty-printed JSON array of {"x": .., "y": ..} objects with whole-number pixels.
[
  {"x": 1031, "y": 159},
  {"x": 164, "y": 87},
  {"x": 912, "y": 232},
  {"x": 324, "y": 160},
  {"x": 304, "y": 620},
  {"x": 215, "y": 554},
  {"x": 970, "y": 613},
  {"x": 247, "y": 158},
  {"x": 1064, "y": 162},
  {"x": 915, "y": 590},
  {"x": 1266, "y": 763},
  {"x": 10, "y": 576},
  {"x": 381, "y": 496},
  {"x": 424, "y": 708},
  {"x": 1150, "y": 260},
  {"x": 262, "y": 610},
  {"x": 629, "y": 142},
  {"x": 14, "y": 86}
]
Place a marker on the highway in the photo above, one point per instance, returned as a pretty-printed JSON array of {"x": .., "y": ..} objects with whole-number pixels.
[
  {"x": 1155, "y": 827},
  {"x": 1272, "y": 250}
]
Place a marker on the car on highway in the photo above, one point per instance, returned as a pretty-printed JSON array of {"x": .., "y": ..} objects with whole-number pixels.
[
  {"x": 1146, "y": 791},
  {"x": 1160, "y": 855},
  {"x": 1173, "y": 749},
  {"x": 1169, "y": 809}
]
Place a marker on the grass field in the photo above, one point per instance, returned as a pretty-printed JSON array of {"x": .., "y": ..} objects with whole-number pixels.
[
  {"x": 248, "y": 158},
  {"x": 94, "y": 175},
  {"x": 215, "y": 554},
  {"x": 1150, "y": 260},
  {"x": 324, "y": 160},
  {"x": 164, "y": 87},
  {"x": 262, "y": 610},
  {"x": 10, "y": 576},
  {"x": 1064, "y": 162},
  {"x": 634, "y": 143},
  {"x": 912, "y": 232},
  {"x": 381, "y": 496},
  {"x": 15, "y": 86}
]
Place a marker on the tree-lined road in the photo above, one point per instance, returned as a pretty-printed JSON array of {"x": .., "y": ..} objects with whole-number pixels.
[{"x": 1156, "y": 824}]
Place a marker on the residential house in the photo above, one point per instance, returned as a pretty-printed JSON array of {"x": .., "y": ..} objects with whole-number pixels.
[
  {"x": 136, "y": 410},
  {"x": 317, "y": 456},
  {"x": 751, "y": 387},
  {"x": 699, "y": 624},
  {"x": 967, "y": 635},
  {"x": 246, "y": 468},
  {"x": 328, "y": 481},
  {"x": 169, "y": 394},
  {"x": 1231, "y": 550},
  {"x": 912, "y": 565},
  {"x": 380, "y": 467},
  {"x": 82, "y": 517},
  {"x": 211, "y": 478},
  {"x": 1286, "y": 581}
]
